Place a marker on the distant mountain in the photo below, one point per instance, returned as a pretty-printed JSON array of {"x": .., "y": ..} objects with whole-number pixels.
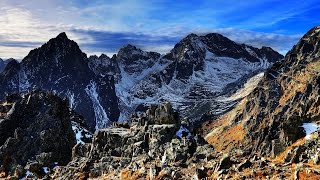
[
  {"x": 3, "y": 63},
  {"x": 196, "y": 71}
]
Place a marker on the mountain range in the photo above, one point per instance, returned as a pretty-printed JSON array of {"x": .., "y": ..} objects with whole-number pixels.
[{"x": 105, "y": 90}]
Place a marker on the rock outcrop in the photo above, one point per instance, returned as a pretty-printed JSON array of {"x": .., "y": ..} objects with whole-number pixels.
[
  {"x": 151, "y": 147},
  {"x": 35, "y": 132}
]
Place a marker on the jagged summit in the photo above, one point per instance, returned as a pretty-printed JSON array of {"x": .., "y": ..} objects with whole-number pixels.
[
  {"x": 104, "y": 56},
  {"x": 127, "y": 51},
  {"x": 216, "y": 37},
  {"x": 62, "y": 35},
  {"x": 190, "y": 36},
  {"x": 130, "y": 53},
  {"x": 190, "y": 48},
  {"x": 133, "y": 74},
  {"x": 195, "y": 48},
  {"x": 128, "y": 47}
]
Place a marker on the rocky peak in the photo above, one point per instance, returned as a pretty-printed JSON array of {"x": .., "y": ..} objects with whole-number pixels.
[
  {"x": 104, "y": 65},
  {"x": 269, "y": 54},
  {"x": 223, "y": 46},
  {"x": 218, "y": 44},
  {"x": 217, "y": 38},
  {"x": 62, "y": 36},
  {"x": 308, "y": 45},
  {"x": 62, "y": 41},
  {"x": 129, "y": 48},
  {"x": 59, "y": 51},
  {"x": 189, "y": 49},
  {"x": 265, "y": 48},
  {"x": 130, "y": 54},
  {"x": 103, "y": 56}
]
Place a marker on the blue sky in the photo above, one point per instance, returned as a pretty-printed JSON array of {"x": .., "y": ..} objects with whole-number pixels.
[{"x": 103, "y": 26}]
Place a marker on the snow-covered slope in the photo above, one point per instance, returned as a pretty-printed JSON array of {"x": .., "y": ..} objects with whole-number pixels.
[{"x": 191, "y": 76}]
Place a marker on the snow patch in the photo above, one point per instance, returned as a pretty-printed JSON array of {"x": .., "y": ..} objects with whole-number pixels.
[
  {"x": 45, "y": 169},
  {"x": 183, "y": 130},
  {"x": 101, "y": 116},
  {"x": 71, "y": 98},
  {"x": 11, "y": 110},
  {"x": 80, "y": 132},
  {"x": 310, "y": 128},
  {"x": 24, "y": 84},
  {"x": 29, "y": 99},
  {"x": 248, "y": 87}
]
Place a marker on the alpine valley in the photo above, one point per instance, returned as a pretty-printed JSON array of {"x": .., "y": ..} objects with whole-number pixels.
[{"x": 211, "y": 108}]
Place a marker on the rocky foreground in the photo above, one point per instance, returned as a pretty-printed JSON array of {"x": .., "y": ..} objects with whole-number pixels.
[{"x": 45, "y": 144}]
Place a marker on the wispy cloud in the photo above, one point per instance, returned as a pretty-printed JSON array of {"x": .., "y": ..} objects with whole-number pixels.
[{"x": 104, "y": 26}]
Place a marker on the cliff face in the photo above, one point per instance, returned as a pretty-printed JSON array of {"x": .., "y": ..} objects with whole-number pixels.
[{"x": 157, "y": 144}]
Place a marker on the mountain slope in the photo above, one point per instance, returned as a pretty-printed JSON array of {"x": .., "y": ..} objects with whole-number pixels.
[
  {"x": 2, "y": 65},
  {"x": 271, "y": 118},
  {"x": 61, "y": 67}
]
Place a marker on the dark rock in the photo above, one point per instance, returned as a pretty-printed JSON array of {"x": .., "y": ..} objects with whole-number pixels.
[
  {"x": 244, "y": 165},
  {"x": 225, "y": 162},
  {"x": 37, "y": 129}
]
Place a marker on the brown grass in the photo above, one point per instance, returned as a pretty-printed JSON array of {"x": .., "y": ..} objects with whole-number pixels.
[
  {"x": 304, "y": 175},
  {"x": 227, "y": 138},
  {"x": 280, "y": 157}
]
